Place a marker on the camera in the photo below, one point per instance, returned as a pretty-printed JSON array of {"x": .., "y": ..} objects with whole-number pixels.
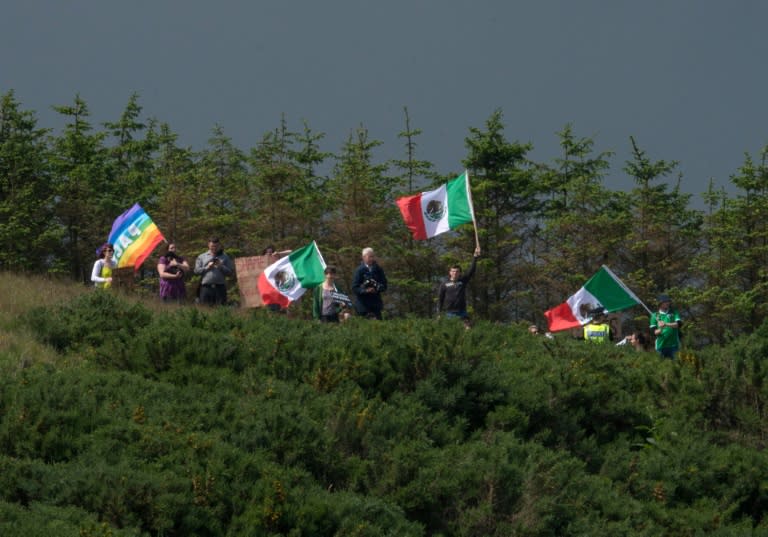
[
  {"x": 370, "y": 283},
  {"x": 172, "y": 269}
]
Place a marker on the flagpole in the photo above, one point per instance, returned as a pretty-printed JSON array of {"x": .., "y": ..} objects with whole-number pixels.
[{"x": 472, "y": 207}]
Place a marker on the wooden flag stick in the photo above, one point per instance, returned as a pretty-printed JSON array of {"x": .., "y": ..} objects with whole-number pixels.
[{"x": 472, "y": 206}]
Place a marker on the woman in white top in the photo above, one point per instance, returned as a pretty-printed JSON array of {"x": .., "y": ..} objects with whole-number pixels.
[{"x": 101, "y": 275}]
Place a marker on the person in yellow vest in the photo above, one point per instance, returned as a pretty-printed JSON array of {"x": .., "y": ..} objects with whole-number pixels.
[
  {"x": 101, "y": 275},
  {"x": 597, "y": 330}
]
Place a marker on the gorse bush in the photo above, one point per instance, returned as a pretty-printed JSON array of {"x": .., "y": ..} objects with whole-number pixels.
[
  {"x": 218, "y": 422},
  {"x": 92, "y": 319}
]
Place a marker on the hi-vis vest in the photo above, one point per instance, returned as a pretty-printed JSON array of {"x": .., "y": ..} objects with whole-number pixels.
[{"x": 597, "y": 333}]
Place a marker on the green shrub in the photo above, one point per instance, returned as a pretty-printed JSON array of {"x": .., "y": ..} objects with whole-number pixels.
[{"x": 219, "y": 422}]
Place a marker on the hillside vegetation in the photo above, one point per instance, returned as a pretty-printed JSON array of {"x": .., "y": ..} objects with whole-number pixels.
[{"x": 125, "y": 418}]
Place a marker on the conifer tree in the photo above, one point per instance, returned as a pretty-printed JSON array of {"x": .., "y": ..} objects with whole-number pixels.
[
  {"x": 583, "y": 222},
  {"x": 176, "y": 200},
  {"x": 290, "y": 198},
  {"x": 417, "y": 272},
  {"x": 131, "y": 158},
  {"x": 221, "y": 190},
  {"x": 27, "y": 231},
  {"x": 82, "y": 188},
  {"x": 505, "y": 199},
  {"x": 733, "y": 296},
  {"x": 309, "y": 156},
  {"x": 362, "y": 194},
  {"x": 665, "y": 234}
]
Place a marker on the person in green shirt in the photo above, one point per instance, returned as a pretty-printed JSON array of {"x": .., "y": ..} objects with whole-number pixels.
[{"x": 665, "y": 325}]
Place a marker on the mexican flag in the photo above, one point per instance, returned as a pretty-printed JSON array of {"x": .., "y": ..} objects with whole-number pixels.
[
  {"x": 430, "y": 213},
  {"x": 286, "y": 279},
  {"x": 603, "y": 293}
]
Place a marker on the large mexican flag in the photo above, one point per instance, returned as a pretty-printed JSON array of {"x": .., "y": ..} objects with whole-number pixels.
[
  {"x": 288, "y": 278},
  {"x": 603, "y": 292},
  {"x": 430, "y": 213}
]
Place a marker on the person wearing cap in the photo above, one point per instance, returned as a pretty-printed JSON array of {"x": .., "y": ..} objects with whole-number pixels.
[
  {"x": 327, "y": 299},
  {"x": 598, "y": 330},
  {"x": 665, "y": 325}
]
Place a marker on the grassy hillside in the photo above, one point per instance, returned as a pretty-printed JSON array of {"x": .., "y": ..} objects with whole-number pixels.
[{"x": 119, "y": 417}]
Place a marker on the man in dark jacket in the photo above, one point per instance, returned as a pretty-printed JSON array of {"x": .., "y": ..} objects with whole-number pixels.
[
  {"x": 452, "y": 297},
  {"x": 368, "y": 283}
]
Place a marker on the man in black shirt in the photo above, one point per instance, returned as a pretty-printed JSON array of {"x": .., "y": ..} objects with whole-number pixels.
[{"x": 452, "y": 298}]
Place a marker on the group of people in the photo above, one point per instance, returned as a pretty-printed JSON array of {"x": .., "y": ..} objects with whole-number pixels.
[
  {"x": 665, "y": 324},
  {"x": 213, "y": 265},
  {"x": 331, "y": 304}
]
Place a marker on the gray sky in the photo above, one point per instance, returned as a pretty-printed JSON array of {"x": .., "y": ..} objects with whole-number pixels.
[{"x": 685, "y": 78}]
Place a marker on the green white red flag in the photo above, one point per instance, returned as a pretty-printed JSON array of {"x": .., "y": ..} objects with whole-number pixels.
[
  {"x": 430, "y": 213},
  {"x": 289, "y": 277},
  {"x": 603, "y": 293}
]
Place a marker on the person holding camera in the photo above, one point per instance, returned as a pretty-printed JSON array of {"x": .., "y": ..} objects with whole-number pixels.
[
  {"x": 368, "y": 283},
  {"x": 214, "y": 266},
  {"x": 171, "y": 269}
]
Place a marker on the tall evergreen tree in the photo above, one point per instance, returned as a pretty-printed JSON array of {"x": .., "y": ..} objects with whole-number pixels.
[
  {"x": 505, "y": 200},
  {"x": 665, "y": 233},
  {"x": 82, "y": 189},
  {"x": 27, "y": 231},
  {"x": 176, "y": 199},
  {"x": 221, "y": 190},
  {"x": 131, "y": 158},
  {"x": 362, "y": 195},
  {"x": 309, "y": 155},
  {"x": 417, "y": 273},
  {"x": 583, "y": 222},
  {"x": 290, "y": 198},
  {"x": 733, "y": 297}
]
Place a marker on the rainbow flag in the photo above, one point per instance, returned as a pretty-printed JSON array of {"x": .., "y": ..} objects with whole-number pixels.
[{"x": 134, "y": 236}]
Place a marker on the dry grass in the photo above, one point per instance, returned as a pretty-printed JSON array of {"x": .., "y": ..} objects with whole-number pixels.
[{"x": 18, "y": 294}]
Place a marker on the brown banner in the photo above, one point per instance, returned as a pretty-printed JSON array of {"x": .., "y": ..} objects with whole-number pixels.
[
  {"x": 123, "y": 278},
  {"x": 248, "y": 271}
]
